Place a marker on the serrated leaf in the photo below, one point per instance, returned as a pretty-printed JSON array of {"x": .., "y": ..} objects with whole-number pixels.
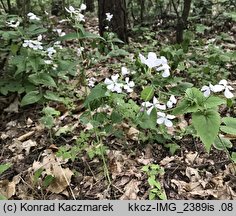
[
  {"x": 147, "y": 93},
  {"x": 181, "y": 107},
  {"x": 30, "y": 98},
  {"x": 222, "y": 143},
  {"x": 207, "y": 125}
]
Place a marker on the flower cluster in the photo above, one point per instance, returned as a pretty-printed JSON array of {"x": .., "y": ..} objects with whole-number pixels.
[
  {"x": 222, "y": 86},
  {"x": 115, "y": 85},
  {"x": 77, "y": 13},
  {"x": 160, "y": 64},
  {"x": 34, "y": 44}
]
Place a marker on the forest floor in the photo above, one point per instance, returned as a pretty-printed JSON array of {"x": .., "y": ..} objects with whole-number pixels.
[{"x": 190, "y": 173}]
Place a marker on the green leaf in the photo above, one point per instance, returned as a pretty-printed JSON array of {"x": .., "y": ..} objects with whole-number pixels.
[
  {"x": 182, "y": 107},
  {"x": 42, "y": 78},
  {"x": 4, "y": 167},
  {"x": 85, "y": 35},
  {"x": 98, "y": 92},
  {"x": 228, "y": 130},
  {"x": 222, "y": 143},
  {"x": 233, "y": 157},
  {"x": 30, "y": 98},
  {"x": 47, "y": 121},
  {"x": 214, "y": 102},
  {"x": 172, "y": 147},
  {"x": 53, "y": 96},
  {"x": 147, "y": 93},
  {"x": 50, "y": 111},
  {"x": 37, "y": 174},
  {"x": 207, "y": 125},
  {"x": 116, "y": 117},
  {"x": 2, "y": 197},
  {"x": 230, "y": 127},
  {"x": 146, "y": 122},
  {"x": 229, "y": 121},
  {"x": 48, "y": 180}
]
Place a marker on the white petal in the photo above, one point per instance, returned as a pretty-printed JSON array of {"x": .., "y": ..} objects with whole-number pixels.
[
  {"x": 161, "y": 114},
  {"x": 147, "y": 104},
  {"x": 173, "y": 99},
  {"x": 217, "y": 88},
  {"x": 115, "y": 77},
  {"x": 124, "y": 71},
  {"x": 149, "y": 110},
  {"x": 131, "y": 84},
  {"x": 161, "y": 106},
  {"x": 108, "y": 81},
  {"x": 169, "y": 104},
  {"x": 166, "y": 73},
  {"x": 155, "y": 101},
  {"x": 127, "y": 80},
  {"x": 228, "y": 94},
  {"x": 160, "y": 120},
  {"x": 170, "y": 116},
  {"x": 142, "y": 58},
  {"x": 168, "y": 123},
  {"x": 223, "y": 82}
]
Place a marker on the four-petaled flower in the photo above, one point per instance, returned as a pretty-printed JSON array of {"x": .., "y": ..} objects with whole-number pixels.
[
  {"x": 165, "y": 119},
  {"x": 129, "y": 85},
  {"x": 113, "y": 85},
  {"x": 171, "y": 101},
  {"x": 226, "y": 88},
  {"x": 164, "y": 67},
  {"x": 155, "y": 104},
  {"x": 109, "y": 17}
]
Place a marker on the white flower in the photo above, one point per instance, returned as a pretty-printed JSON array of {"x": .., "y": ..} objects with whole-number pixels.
[
  {"x": 71, "y": 10},
  {"x": 129, "y": 85},
  {"x": 13, "y": 24},
  {"x": 80, "y": 17},
  {"x": 113, "y": 85},
  {"x": 91, "y": 82},
  {"x": 50, "y": 52},
  {"x": 226, "y": 89},
  {"x": 109, "y": 17},
  {"x": 83, "y": 7},
  {"x": 206, "y": 90},
  {"x": 58, "y": 44},
  {"x": 32, "y": 16},
  {"x": 165, "y": 119},
  {"x": 34, "y": 44},
  {"x": 156, "y": 104},
  {"x": 124, "y": 71},
  {"x": 164, "y": 66},
  {"x": 59, "y": 32},
  {"x": 171, "y": 101},
  {"x": 107, "y": 27},
  {"x": 151, "y": 61},
  {"x": 40, "y": 37}
]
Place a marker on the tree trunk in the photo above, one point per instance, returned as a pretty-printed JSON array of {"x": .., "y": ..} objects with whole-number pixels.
[
  {"x": 182, "y": 21},
  {"x": 118, "y": 23},
  {"x": 90, "y": 5},
  {"x": 142, "y": 9}
]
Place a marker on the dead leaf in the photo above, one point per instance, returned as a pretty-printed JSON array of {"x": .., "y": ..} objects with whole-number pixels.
[
  {"x": 13, "y": 107},
  {"x": 7, "y": 188},
  {"x": 25, "y": 136},
  {"x": 62, "y": 178},
  {"x": 192, "y": 174},
  {"x": 133, "y": 134},
  {"x": 131, "y": 190}
]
